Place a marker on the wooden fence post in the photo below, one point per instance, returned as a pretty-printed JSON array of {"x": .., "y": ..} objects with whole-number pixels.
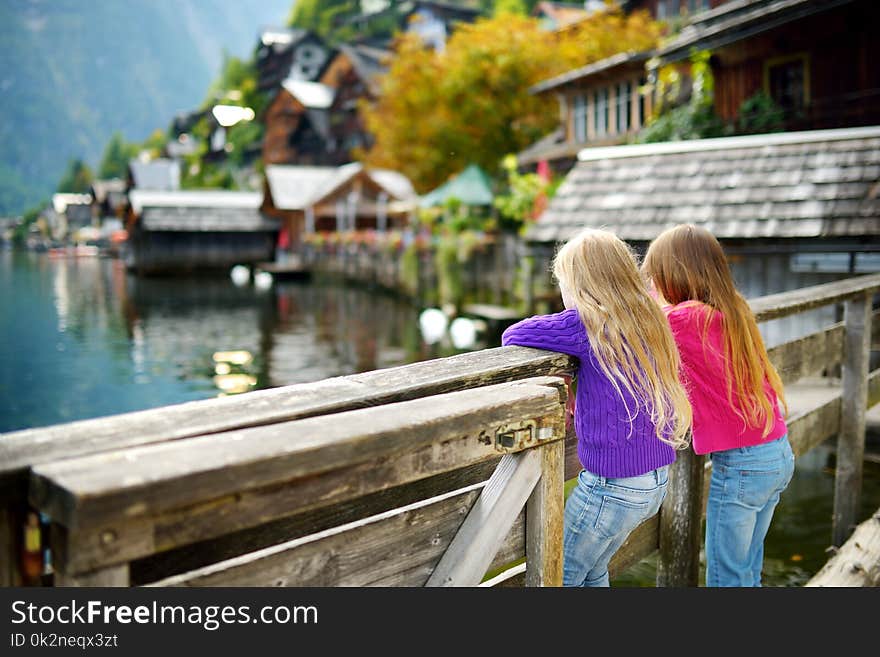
[
  {"x": 681, "y": 518},
  {"x": 544, "y": 512},
  {"x": 851, "y": 439}
]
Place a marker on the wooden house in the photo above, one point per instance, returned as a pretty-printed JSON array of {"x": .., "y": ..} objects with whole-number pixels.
[
  {"x": 323, "y": 199},
  {"x": 354, "y": 74},
  {"x": 284, "y": 53},
  {"x": 601, "y": 104},
  {"x": 816, "y": 59},
  {"x": 319, "y": 123},
  {"x": 819, "y": 60},
  {"x": 792, "y": 209},
  {"x": 108, "y": 198},
  {"x": 72, "y": 212},
  {"x": 189, "y": 230},
  {"x": 297, "y": 124},
  {"x": 433, "y": 22}
]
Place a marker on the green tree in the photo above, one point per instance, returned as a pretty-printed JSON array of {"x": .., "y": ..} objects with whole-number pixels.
[
  {"x": 510, "y": 7},
  {"x": 322, "y": 16},
  {"x": 696, "y": 118},
  {"x": 117, "y": 154},
  {"x": 77, "y": 178}
]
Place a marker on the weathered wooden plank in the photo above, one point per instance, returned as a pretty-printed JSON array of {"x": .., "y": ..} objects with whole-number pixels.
[
  {"x": 857, "y": 563},
  {"x": 357, "y": 554},
  {"x": 148, "y": 479},
  {"x": 681, "y": 522},
  {"x": 192, "y": 556},
  {"x": 808, "y": 355},
  {"x": 396, "y": 548},
  {"x": 544, "y": 511},
  {"x": 641, "y": 543},
  {"x": 92, "y": 547},
  {"x": 812, "y": 427},
  {"x": 465, "y": 561},
  {"x": 853, "y": 405},
  {"x": 22, "y": 449},
  {"x": 789, "y": 303},
  {"x": 128, "y": 538},
  {"x": 116, "y": 576}
]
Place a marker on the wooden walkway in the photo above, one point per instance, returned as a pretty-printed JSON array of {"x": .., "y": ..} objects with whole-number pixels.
[{"x": 434, "y": 473}]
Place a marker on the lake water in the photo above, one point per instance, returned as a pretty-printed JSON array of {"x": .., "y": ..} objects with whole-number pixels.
[{"x": 82, "y": 338}]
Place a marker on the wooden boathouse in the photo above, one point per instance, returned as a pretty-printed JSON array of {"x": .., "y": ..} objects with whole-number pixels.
[
  {"x": 192, "y": 230},
  {"x": 448, "y": 472}
]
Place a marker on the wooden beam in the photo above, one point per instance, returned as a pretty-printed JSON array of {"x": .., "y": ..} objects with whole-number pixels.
[
  {"x": 125, "y": 537},
  {"x": 857, "y": 563},
  {"x": 396, "y": 548},
  {"x": 808, "y": 355},
  {"x": 853, "y": 405},
  {"x": 681, "y": 522},
  {"x": 544, "y": 520},
  {"x": 471, "y": 551},
  {"x": 796, "y": 301},
  {"x": 193, "y": 556},
  {"x": 146, "y": 480}
]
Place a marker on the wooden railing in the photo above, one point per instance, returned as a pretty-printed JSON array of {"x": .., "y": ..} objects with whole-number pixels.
[{"x": 435, "y": 473}]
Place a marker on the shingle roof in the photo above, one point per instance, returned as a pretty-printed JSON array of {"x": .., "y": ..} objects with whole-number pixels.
[
  {"x": 591, "y": 69},
  {"x": 801, "y": 184},
  {"x": 296, "y": 187},
  {"x": 368, "y": 63},
  {"x": 201, "y": 211}
]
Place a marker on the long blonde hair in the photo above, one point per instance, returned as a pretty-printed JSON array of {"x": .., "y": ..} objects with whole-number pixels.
[
  {"x": 687, "y": 263},
  {"x": 627, "y": 330}
]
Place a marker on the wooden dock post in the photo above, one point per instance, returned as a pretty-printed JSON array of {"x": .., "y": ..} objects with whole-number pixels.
[
  {"x": 851, "y": 439},
  {"x": 681, "y": 519}
]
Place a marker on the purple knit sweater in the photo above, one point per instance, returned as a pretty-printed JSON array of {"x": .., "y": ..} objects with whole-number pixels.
[{"x": 609, "y": 444}]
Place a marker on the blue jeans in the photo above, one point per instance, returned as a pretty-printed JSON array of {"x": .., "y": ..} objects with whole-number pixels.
[
  {"x": 599, "y": 514},
  {"x": 743, "y": 493}
]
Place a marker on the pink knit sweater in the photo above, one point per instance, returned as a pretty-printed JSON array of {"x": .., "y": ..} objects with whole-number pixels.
[{"x": 716, "y": 425}]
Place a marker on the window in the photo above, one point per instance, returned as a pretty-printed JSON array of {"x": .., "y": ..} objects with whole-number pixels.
[
  {"x": 623, "y": 104},
  {"x": 600, "y": 118},
  {"x": 579, "y": 119},
  {"x": 786, "y": 79},
  {"x": 667, "y": 9}
]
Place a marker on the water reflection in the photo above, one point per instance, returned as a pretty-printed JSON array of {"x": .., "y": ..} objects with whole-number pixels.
[{"x": 85, "y": 338}]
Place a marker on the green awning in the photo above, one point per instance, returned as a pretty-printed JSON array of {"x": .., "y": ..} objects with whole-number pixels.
[{"x": 472, "y": 187}]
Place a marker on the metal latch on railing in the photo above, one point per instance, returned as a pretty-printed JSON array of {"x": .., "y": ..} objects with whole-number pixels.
[{"x": 517, "y": 436}]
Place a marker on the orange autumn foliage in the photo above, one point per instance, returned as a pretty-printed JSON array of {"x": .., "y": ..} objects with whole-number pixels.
[{"x": 439, "y": 112}]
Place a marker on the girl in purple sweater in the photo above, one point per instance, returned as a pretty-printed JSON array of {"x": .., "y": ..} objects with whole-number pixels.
[{"x": 631, "y": 411}]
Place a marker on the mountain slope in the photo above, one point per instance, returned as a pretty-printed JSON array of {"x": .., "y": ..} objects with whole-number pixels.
[{"x": 72, "y": 72}]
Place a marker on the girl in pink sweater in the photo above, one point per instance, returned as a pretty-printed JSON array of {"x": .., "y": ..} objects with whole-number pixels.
[{"x": 736, "y": 396}]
